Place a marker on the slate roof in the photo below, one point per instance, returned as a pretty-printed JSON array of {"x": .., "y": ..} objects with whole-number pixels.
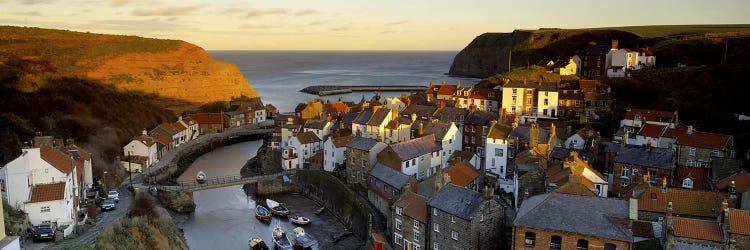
[
  {"x": 420, "y": 110},
  {"x": 414, "y": 206},
  {"x": 452, "y": 114},
  {"x": 457, "y": 201},
  {"x": 438, "y": 128},
  {"x": 569, "y": 95},
  {"x": 647, "y": 157},
  {"x": 703, "y": 140},
  {"x": 378, "y": 117},
  {"x": 307, "y": 137},
  {"x": 462, "y": 174},
  {"x": 233, "y": 113},
  {"x": 597, "y": 50},
  {"x": 531, "y": 85},
  {"x": 362, "y": 143},
  {"x": 459, "y": 155},
  {"x": 549, "y": 86},
  {"x": 349, "y": 118},
  {"x": 416, "y": 147},
  {"x": 739, "y": 221},
  {"x": 565, "y": 212},
  {"x": 47, "y": 192},
  {"x": 709, "y": 230},
  {"x": 522, "y": 132},
  {"x": 57, "y": 159},
  {"x": 741, "y": 182},
  {"x": 390, "y": 176},
  {"x": 724, "y": 167},
  {"x": 643, "y": 229},
  {"x": 315, "y": 124},
  {"x": 363, "y": 117},
  {"x": 480, "y": 118},
  {"x": 651, "y": 115}
]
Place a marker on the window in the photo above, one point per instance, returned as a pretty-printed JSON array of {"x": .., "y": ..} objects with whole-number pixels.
[
  {"x": 434, "y": 211},
  {"x": 692, "y": 151},
  {"x": 414, "y": 161},
  {"x": 416, "y": 235},
  {"x": 399, "y": 210},
  {"x": 515, "y": 91},
  {"x": 635, "y": 171},
  {"x": 544, "y": 111},
  {"x": 610, "y": 246},
  {"x": 582, "y": 245},
  {"x": 481, "y": 217},
  {"x": 555, "y": 243},
  {"x": 436, "y": 227},
  {"x": 453, "y": 219},
  {"x": 454, "y": 235},
  {"x": 416, "y": 247},
  {"x": 690, "y": 163},
  {"x": 397, "y": 239},
  {"x": 499, "y": 152},
  {"x": 715, "y": 154},
  {"x": 625, "y": 171},
  {"x": 687, "y": 183},
  {"x": 416, "y": 224},
  {"x": 546, "y": 101},
  {"x": 45, "y": 209},
  {"x": 398, "y": 224},
  {"x": 702, "y": 163},
  {"x": 530, "y": 239},
  {"x": 435, "y": 246},
  {"x": 513, "y": 100},
  {"x": 493, "y": 162}
]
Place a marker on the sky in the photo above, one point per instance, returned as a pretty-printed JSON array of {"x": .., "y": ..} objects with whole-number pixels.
[{"x": 353, "y": 24}]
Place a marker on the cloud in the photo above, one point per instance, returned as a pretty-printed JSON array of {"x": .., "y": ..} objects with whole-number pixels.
[
  {"x": 27, "y": 13},
  {"x": 37, "y": 1},
  {"x": 168, "y": 11},
  {"x": 121, "y": 2},
  {"x": 397, "y": 23},
  {"x": 315, "y": 23},
  {"x": 388, "y": 32},
  {"x": 233, "y": 10},
  {"x": 342, "y": 28},
  {"x": 261, "y": 26},
  {"x": 280, "y": 12}
]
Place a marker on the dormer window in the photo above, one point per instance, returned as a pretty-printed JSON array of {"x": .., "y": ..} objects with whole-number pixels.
[
  {"x": 637, "y": 116},
  {"x": 687, "y": 183},
  {"x": 491, "y": 94},
  {"x": 399, "y": 210}
]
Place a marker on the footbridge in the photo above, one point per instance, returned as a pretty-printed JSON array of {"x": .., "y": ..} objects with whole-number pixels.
[{"x": 218, "y": 182}]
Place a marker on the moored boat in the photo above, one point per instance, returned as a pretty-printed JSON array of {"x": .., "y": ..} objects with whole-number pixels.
[
  {"x": 304, "y": 241},
  {"x": 257, "y": 244},
  {"x": 281, "y": 240},
  {"x": 299, "y": 220},
  {"x": 201, "y": 177},
  {"x": 277, "y": 208},
  {"x": 262, "y": 213}
]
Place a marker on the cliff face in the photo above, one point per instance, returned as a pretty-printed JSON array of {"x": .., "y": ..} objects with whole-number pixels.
[
  {"x": 168, "y": 68},
  {"x": 488, "y": 53}
]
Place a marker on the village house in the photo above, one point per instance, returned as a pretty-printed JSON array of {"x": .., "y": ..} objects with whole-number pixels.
[
  {"x": 410, "y": 226},
  {"x": 142, "y": 146},
  {"x": 288, "y": 131},
  {"x": 460, "y": 218},
  {"x": 594, "y": 60},
  {"x": 635, "y": 165},
  {"x": 289, "y": 158},
  {"x": 359, "y": 124},
  {"x": 485, "y": 99},
  {"x": 307, "y": 144},
  {"x": 723, "y": 168},
  {"x": 431, "y": 92},
  {"x": 313, "y": 110},
  {"x": 518, "y": 97},
  {"x": 397, "y": 103},
  {"x": 653, "y": 202},
  {"x": 253, "y": 113},
  {"x": 463, "y": 174},
  {"x": 575, "y": 166},
  {"x": 636, "y": 118},
  {"x": 459, "y": 156},
  {"x": 547, "y": 100},
  {"x": 420, "y": 157},
  {"x": 169, "y": 134},
  {"x": 236, "y": 118},
  {"x": 567, "y": 221},
  {"x": 597, "y": 98},
  {"x": 361, "y": 155},
  {"x": 570, "y": 104},
  {"x": 210, "y": 122},
  {"x": 386, "y": 185},
  {"x": 566, "y": 67},
  {"x": 334, "y": 149},
  {"x": 381, "y": 116},
  {"x": 476, "y": 126},
  {"x": 321, "y": 128},
  {"x": 583, "y": 139},
  {"x": 532, "y": 136},
  {"x": 496, "y": 163},
  {"x": 695, "y": 148},
  {"x": 446, "y": 91},
  {"x": 529, "y": 176},
  {"x": 421, "y": 112},
  {"x": 688, "y": 233},
  {"x": 461, "y": 97},
  {"x": 447, "y": 136},
  {"x": 452, "y": 114},
  {"x": 271, "y": 111},
  {"x": 192, "y": 129},
  {"x": 398, "y": 129}
]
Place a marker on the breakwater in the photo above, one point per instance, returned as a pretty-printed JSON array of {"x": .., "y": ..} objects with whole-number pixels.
[{"x": 323, "y": 90}]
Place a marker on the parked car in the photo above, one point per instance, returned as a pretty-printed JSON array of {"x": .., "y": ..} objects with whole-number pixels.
[
  {"x": 108, "y": 204},
  {"x": 45, "y": 231},
  {"x": 114, "y": 195}
]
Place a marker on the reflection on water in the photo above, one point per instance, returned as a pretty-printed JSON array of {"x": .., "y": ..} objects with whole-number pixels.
[{"x": 223, "y": 161}]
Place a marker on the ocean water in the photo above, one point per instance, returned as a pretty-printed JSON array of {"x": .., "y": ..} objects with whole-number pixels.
[{"x": 279, "y": 75}]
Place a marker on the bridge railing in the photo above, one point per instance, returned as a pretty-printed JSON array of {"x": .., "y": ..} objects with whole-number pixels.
[{"x": 220, "y": 180}]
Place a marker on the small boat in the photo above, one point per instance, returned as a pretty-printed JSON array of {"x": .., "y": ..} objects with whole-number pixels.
[
  {"x": 277, "y": 208},
  {"x": 262, "y": 213},
  {"x": 257, "y": 244},
  {"x": 320, "y": 210},
  {"x": 201, "y": 177},
  {"x": 299, "y": 220},
  {"x": 280, "y": 239},
  {"x": 304, "y": 241}
]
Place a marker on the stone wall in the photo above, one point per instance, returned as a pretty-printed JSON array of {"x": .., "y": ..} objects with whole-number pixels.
[{"x": 569, "y": 240}]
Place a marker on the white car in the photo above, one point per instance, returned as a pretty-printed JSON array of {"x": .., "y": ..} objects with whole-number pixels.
[{"x": 114, "y": 195}]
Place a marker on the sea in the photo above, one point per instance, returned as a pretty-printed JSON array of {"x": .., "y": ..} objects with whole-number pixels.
[{"x": 278, "y": 76}]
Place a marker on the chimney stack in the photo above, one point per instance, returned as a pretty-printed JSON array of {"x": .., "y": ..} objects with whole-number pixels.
[
  {"x": 669, "y": 209},
  {"x": 413, "y": 117},
  {"x": 633, "y": 208},
  {"x": 615, "y": 44},
  {"x": 534, "y": 135},
  {"x": 502, "y": 116},
  {"x": 690, "y": 130},
  {"x": 420, "y": 130}
]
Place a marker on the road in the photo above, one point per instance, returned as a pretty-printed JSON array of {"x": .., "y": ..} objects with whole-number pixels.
[{"x": 105, "y": 219}]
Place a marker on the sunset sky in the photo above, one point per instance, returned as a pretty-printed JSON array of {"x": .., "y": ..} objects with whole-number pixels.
[{"x": 353, "y": 24}]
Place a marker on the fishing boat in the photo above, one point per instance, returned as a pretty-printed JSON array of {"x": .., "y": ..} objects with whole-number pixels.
[
  {"x": 320, "y": 210},
  {"x": 201, "y": 177},
  {"x": 262, "y": 213},
  {"x": 299, "y": 220},
  {"x": 304, "y": 241},
  {"x": 277, "y": 208},
  {"x": 257, "y": 244},
  {"x": 281, "y": 240}
]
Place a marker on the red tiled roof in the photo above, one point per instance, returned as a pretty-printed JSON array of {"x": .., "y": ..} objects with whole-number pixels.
[
  {"x": 703, "y": 140},
  {"x": 47, "y": 192},
  {"x": 462, "y": 174},
  {"x": 674, "y": 132},
  {"x": 81, "y": 152},
  {"x": 741, "y": 182},
  {"x": 739, "y": 221},
  {"x": 414, "y": 205},
  {"x": 145, "y": 139},
  {"x": 484, "y": 94},
  {"x": 587, "y": 84},
  {"x": 342, "y": 141},
  {"x": 574, "y": 188},
  {"x": 684, "y": 202},
  {"x": 338, "y": 107},
  {"x": 164, "y": 139},
  {"x": 57, "y": 159},
  {"x": 179, "y": 126},
  {"x": 698, "y": 174},
  {"x": 208, "y": 118},
  {"x": 651, "y": 130},
  {"x": 447, "y": 89},
  {"x": 697, "y": 229},
  {"x": 651, "y": 115}
]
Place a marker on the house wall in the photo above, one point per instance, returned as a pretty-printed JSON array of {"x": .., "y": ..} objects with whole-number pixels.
[
  {"x": 701, "y": 154},
  {"x": 446, "y": 226},
  {"x": 333, "y": 155},
  {"x": 402, "y": 133},
  {"x": 576, "y": 140},
  {"x": 497, "y": 163},
  {"x": 634, "y": 178},
  {"x": 451, "y": 143},
  {"x": 359, "y": 163},
  {"x": 211, "y": 128},
  {"x": 42, "y": 172},
  {"x": 516, "y": 107},
  {"x": 15, "y": 176},
  {"x": 407, "y": 232},
  {"x": 569, "y": 240},
  {"x": 551, "y": 107},
  {"x": 643, "y": 140},
  {"x": 59, "y": 212}
]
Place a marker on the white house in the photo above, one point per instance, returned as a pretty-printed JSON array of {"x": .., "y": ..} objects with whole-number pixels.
[
  {"x": 192, "y": 127},
  {"x": 287, "y": 132},
  {"x": 334, "y": 150},
  {"x": 395, "y": 103},
  {"x": 289, "y": 158},
  {"x": 597, "y": 183},
  {"x": 375, "y": 126},
  {"x": 636, "y": 118},
  {"x": 447, "y": 135},
  {"x": 584, "y": 138},
  {"x": 496, "y": 163},
  {"x": 484, "y": 99},
  {"x": 306, "y": 145},
  {"x": 547, "y": 100},
  {"x": 143, "y": 146},
  {"x": 420, "y": 157},
  {"x": 321, "y": 128},
  {"x": 52, "y": 203}
]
